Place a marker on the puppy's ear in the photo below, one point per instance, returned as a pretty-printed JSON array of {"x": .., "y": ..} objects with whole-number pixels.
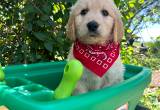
[
  {"x": 118, "y": 30},
  {"x": 70, "y": 29}
]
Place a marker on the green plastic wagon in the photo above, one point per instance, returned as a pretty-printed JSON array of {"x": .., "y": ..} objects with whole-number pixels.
[{"x": 31, "y": 87}]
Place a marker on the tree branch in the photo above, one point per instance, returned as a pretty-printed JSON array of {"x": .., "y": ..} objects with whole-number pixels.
[{"x": 140, "y": 10}]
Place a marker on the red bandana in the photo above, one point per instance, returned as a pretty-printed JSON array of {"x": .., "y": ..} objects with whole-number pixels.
[{"x": 96, "y": 58}]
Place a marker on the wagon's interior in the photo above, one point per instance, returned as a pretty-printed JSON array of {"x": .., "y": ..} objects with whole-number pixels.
[
  {"x": 29, "y": 89},
  {"x": 40, "y": 87}
]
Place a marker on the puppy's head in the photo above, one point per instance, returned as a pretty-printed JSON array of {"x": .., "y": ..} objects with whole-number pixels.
[{"x": 95, "y": 22}]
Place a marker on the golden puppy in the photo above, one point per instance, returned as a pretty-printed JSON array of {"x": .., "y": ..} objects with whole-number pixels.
[{"x": 96, "y": 28}]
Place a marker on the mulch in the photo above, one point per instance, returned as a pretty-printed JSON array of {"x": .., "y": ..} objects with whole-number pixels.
[{"x": 155, "y": 78}]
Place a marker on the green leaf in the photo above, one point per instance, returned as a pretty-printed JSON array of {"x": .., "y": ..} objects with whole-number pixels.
[
  {"x": 29, "y": 9},
  {"x": 49, "y": 45},
  {"x": 141, "y": 1},
  {"x": 29, "y": 27},
  {"x": 129, "y": 30},
  {"x": 40, "y": 35},
  {"x": 117, "y": 2},
  {"x": 131, "y": 14},
  {"x": 131, "y": 5},
  {"x": 44, "y": 17},
  {"x": 40, "y": 23},
  {"x": 47, "y": 9},
  {"x": 56, "y": 8}
]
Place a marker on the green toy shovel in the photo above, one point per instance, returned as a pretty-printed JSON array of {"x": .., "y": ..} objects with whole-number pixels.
[{"x": 72, "y": 73}]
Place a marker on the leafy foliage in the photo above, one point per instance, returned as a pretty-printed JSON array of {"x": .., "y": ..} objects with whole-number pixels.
[
  {"x": 132, "y": 55},
  {"x": 127, "y": 55},
  {"x": 151, "y": 98},
  {"x": 155, "y": 47},
  {"x": 137, "y": 13},
  {"x": 33, "y": 31}
]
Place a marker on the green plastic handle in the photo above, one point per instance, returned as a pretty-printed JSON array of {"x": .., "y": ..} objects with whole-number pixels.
[
  {"x": 72, "y": 74},
  {"x": 2, "y": 75}
]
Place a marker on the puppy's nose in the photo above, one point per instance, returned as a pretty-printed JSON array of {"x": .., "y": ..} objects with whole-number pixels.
[{"x": 92, "y": 26}]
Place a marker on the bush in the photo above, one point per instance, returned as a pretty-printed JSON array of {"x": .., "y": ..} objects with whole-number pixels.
[
  {"x": 155, "y": 47},
  {"x": 131, "y": 55},
  {"x": 33, "y": 31},
  {"x": 151, "y": 98}
]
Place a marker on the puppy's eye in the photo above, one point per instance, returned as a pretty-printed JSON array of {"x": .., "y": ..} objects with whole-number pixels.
[
  {"x": 105, "y": 13},
  {"x": 84, "y": 12}
]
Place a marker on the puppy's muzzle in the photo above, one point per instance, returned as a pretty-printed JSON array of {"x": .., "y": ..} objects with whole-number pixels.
[{"x": 92, "y": 26}]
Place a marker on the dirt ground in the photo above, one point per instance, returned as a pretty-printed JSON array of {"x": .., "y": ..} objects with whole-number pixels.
[{"x": 156, "y": 78}]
